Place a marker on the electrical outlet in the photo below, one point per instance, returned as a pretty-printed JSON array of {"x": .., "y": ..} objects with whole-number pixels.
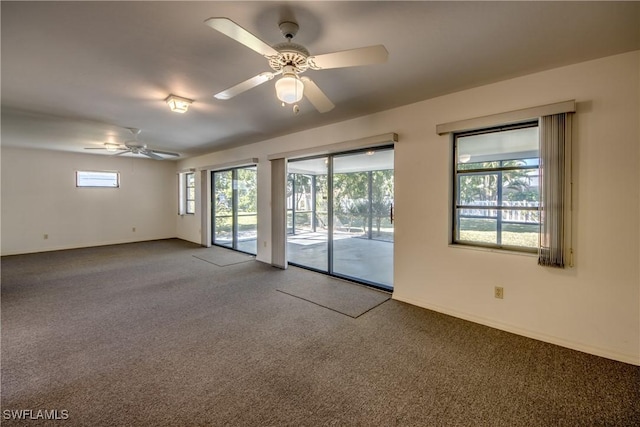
[
  {"x": 133, "y": 229},
  {"x": 499, "y": 292},
  {"x": 45, "y": 236}
]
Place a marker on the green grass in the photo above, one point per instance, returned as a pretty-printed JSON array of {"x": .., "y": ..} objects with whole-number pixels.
[
  {"x": 484, "y": 231},
  {"x": 246, "y": 222},
  {"x": 527, "y": 240}
]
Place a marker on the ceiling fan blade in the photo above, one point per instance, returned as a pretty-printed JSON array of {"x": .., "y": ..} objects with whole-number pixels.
[
  {"x": 95, "y": 148},
  {"x": 245, "y": 85},
  {"x": 229, "y": 28},
  {"x": 151, "y": 154},
  {"x": 350, "y": 58},
  {"x": 122, "y": 152},
  {"x": 315, "y": 96},
  {"x": 166, "y": 153}
]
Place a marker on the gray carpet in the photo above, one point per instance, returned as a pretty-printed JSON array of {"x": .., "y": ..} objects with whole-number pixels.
[
  {"x": 222, "y": 257},
  {"x": 145, "y": 334},
  {"x": 347, "y": 298}
]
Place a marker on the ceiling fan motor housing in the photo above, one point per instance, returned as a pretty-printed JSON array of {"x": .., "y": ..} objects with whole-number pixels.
[{"x": 290, "y": 54}]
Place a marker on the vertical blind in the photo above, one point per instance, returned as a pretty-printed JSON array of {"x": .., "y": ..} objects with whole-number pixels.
[{"x": 555, "y": 187}]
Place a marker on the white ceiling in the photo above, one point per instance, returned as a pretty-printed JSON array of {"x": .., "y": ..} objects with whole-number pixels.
[{"x": 75, "y": 74}]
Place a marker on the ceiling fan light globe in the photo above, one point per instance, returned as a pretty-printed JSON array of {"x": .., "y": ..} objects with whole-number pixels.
[{"x": 289, "y": 89}]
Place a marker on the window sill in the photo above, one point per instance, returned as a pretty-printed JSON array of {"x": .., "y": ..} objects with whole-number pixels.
[{"x": 495, "y": 250}]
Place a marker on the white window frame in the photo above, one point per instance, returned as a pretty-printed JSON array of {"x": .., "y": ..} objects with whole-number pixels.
[
  {"x": 188, "y": 211},
  {"x": 101, "y": 179},
  {"x": 499, "y": 208},
  {"x": 183, "y": 193}
]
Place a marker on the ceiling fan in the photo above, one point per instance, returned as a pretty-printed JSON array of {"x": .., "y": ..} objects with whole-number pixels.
[
  {"x": 291, "y": 59},
  {"x": 134, "y": 147}
]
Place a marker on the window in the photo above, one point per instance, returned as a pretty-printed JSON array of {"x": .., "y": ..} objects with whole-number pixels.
[
  {"x": 190, "y": 193},
  {"x": 496, "y": 187},
  {"x": 186, "y": 193},
  {"x": 104, "y": 179}
]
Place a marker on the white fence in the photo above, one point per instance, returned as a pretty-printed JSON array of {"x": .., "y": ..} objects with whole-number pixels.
[{"x": 524, "y": 215}]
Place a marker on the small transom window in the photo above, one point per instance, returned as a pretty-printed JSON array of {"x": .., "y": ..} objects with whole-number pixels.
[{"x": 104, "y": 179}]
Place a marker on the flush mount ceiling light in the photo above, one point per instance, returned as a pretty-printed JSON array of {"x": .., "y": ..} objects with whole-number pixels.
[
  {"x": 178, "y": 104},
  {"x": 464, "y": 158}
]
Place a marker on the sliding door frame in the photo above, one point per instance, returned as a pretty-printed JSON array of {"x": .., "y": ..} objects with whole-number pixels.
[
  {"x": 330, "y": 211},
  {"x": 234, "y": 206}
]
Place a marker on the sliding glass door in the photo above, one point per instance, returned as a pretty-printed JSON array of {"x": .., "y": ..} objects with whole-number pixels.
[
  {"x": 307, "y": 214},
  {"x": 247, "y": 210},
  {"x": 234, "y": 205},
  {"x": 362, "y": 216},
  {"x": 339, "y": 215},
  {"x": 222, "y": 200}
]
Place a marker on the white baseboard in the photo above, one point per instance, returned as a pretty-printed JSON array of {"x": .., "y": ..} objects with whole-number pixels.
[
  {"x": 633, "y": 359},
  {"x": 67, "y": 247}
]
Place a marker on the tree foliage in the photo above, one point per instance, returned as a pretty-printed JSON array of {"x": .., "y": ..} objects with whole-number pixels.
[
  {"x": 352, "y": 205},
  {"x": 483, "y": 186}
]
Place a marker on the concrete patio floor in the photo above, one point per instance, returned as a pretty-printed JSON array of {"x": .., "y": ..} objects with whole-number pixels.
[{"x": 354, "y": 256}]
